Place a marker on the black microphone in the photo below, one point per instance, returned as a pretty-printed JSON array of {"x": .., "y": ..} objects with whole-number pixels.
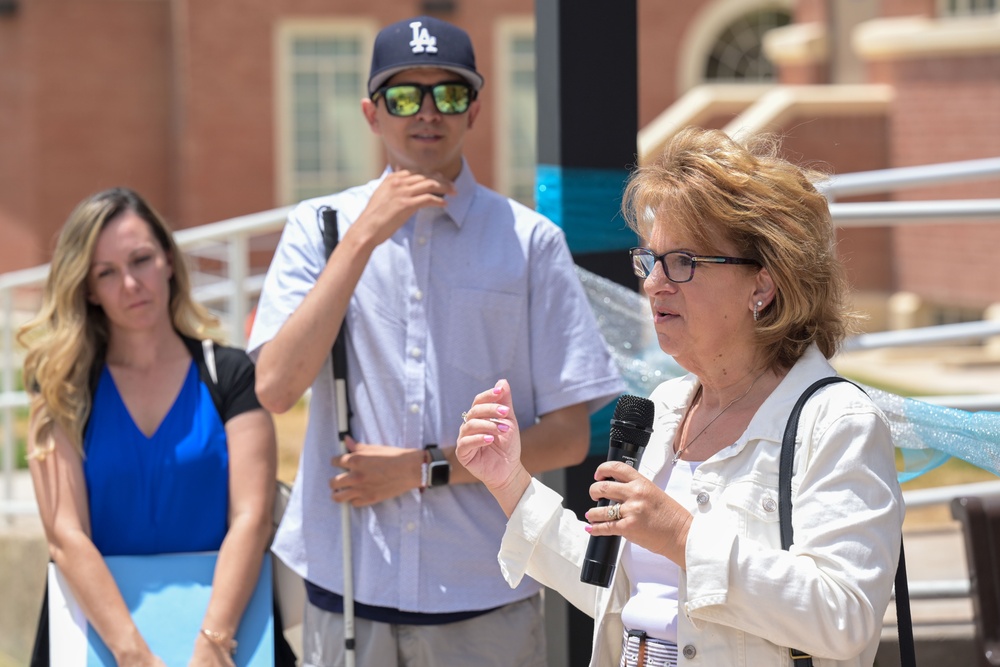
[{"x": 630, "y": 430}]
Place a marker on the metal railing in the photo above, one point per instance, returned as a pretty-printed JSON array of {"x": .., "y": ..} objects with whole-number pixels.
[
  {"x": 900, "y": 178},
  {"x": 943, "y": 589}
]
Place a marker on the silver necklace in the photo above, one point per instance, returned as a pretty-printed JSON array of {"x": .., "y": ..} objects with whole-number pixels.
[{"x": 677, "y": 454}]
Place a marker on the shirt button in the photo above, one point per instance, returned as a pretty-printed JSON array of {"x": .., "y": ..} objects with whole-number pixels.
[
  {"x": 421, "y": 240},
  {"x": 769, "y": 505},
  {"x": 690, "y": 651},
  {"x": 415, "y": 353},
  {"x": 415, "y": 408},
  {"x": 410, "y": 527},
  {"x": 417, "y": 295},
  {"x": 702, "y": 498}
]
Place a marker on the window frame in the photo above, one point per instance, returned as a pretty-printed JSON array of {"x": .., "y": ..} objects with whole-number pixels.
[
  {"x": 507, "y": 29},
  {"x": 286, "y": 33}
]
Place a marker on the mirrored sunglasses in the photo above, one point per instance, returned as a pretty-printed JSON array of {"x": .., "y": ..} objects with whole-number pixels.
[{"x": 404, "y": 99}]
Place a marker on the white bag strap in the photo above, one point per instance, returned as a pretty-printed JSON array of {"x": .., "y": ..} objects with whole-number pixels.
[{"x": 209, "y": 347}]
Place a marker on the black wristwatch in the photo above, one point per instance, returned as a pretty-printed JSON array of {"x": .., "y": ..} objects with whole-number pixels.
[{"x": 436, "y": 470}]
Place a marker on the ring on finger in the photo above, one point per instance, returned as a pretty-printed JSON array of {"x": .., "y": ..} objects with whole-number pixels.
[
  {"x": 465, "y": 417},
  {"x": 614, "y": 511}
]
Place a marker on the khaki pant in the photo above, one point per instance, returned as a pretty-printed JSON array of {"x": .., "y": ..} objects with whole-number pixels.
[{"x": 512, "y": 636}]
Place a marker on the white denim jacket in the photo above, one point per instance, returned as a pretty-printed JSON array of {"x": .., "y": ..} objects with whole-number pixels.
[{"x": 743, "y": 600}]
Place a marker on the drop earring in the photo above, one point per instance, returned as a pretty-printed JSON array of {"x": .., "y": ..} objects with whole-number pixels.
[{"x": 756, "y": 310}]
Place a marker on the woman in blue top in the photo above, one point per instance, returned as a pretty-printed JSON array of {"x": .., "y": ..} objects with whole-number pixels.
[{"x": 140, "y": 442}]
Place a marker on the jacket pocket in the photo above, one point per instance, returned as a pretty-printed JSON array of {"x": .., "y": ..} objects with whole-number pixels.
[{"x": 756, "y": 505}]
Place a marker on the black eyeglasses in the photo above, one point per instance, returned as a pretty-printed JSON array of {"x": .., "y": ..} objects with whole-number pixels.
[
  {"x": 404, "y": 99},
  {"x": 678, "y": 265}
]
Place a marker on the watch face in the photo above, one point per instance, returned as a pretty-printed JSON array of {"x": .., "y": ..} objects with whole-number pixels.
[{"x": 440, "y": 472}]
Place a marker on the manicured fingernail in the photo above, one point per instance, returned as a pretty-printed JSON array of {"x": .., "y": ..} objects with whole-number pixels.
[
  {"x": 588, "y": 528},
  {"x": 498, "y": 390},
  {"x": 503, "y": 428},
  {"x": 487, "y": 439},
  {"x": 502, "y": 410}
]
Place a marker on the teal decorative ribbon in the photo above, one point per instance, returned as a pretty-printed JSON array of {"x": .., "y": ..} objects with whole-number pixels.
[
  {"x": 586, "y": 203},
  {"x": 925, "y": 434}
]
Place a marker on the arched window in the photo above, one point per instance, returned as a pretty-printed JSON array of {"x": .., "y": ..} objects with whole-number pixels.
[{"x": 738, "y": 54}]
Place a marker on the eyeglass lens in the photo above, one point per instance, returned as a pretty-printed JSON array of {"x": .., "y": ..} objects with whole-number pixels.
[
  {"x": 678, "y": 266},
  {"x": 449, "y": 98}
]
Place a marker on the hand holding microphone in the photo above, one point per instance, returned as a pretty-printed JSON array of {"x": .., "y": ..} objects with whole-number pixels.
[{"x": 631, "y": 426}]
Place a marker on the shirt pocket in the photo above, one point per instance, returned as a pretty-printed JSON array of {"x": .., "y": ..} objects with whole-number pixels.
[
  {"x": 483, "y": 330},
  {"x": 756, "y": 506}
]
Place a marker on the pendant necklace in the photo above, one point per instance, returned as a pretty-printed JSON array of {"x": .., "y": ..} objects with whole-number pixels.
[{"x": 677, "y": 454}]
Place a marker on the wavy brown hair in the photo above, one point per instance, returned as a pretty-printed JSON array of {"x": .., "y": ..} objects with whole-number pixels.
[
  {"x": 68, "y": 337},
  {"x": 712, "y": 190}
]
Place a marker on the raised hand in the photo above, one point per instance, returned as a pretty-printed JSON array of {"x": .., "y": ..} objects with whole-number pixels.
[
  {"x": 489, "y": 446},
  {"x": 400, "y": 194}
]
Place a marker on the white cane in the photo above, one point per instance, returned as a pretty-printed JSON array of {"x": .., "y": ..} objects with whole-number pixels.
[
  {"x": 340, "y": 385},
  {"x": 331, "y": 236}
]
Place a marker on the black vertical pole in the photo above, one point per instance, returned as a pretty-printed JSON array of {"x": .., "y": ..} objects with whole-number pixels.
[{"x": 586, "y": 82}]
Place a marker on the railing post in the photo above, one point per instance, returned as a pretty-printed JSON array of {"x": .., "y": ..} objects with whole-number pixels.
[
  {"x": 9, "y": 444},
  {"x": 239, "y": 268}
]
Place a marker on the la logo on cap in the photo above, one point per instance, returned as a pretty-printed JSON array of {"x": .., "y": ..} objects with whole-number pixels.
[{"x": 422, "y": 41}]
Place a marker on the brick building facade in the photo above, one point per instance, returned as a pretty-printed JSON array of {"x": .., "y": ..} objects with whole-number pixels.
[{"x": 189, "y": 103}]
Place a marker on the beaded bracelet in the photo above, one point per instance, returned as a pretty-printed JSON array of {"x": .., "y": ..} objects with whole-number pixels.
[{"x": 220, "y": 640}]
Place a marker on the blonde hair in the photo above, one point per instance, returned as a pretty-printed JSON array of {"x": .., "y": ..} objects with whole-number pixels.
[
  {"x": 711, "y": 190},
  {"x": 67, "y": 340}
]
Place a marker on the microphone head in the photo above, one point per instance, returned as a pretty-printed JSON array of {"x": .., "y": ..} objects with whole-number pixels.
[{"x": 633, "y": 420}]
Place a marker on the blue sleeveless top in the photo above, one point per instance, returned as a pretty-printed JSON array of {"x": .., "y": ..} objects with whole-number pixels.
[{"x": 168, "y": 493}]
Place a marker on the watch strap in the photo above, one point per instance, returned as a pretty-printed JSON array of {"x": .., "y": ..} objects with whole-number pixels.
[{"x": 432, "y": 455}]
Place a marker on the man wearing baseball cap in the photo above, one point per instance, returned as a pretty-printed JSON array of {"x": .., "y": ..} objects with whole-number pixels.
[{"x": 443, "y": 287}]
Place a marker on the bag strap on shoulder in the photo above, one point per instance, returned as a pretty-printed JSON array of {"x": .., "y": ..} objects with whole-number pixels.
[
  {"x": 788, "y": 458},
  {"x": 904, "y": 622},
  {"x": 208, "y": 348}
]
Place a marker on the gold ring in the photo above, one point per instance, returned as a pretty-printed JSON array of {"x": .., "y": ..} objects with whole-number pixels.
[
  {"x": 614, "y": 511},
  {"x": 465, "y": 417}
]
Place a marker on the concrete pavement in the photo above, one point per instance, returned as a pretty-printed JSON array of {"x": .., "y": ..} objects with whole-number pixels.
[{"x": 23, "y": 559}]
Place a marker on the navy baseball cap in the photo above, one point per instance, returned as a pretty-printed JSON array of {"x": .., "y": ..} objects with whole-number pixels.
[{"x": 422, "y": 41}]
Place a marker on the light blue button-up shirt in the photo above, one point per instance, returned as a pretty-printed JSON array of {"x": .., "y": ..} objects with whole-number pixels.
[{"x": 456, "y": 299}]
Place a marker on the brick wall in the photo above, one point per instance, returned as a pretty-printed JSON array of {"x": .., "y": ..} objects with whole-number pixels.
[
  {"x": 20, "y": 247},
  {"x": 946, "y": 109},
  {"x": 840, "y": 145},
  {"x": 174, "y": 98},
  {"x": 894, "y": 8},
  {"x": 224, "y": 108},
  {"x": 101, "y": 102},
  {"x": 88, "y": 83},
  {"x": 659, "y": 55}
]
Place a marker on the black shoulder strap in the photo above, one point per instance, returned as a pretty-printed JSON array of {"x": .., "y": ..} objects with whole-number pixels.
[
  {"x": 788, "y": 458},
  {"x": 904, "y": 622}
]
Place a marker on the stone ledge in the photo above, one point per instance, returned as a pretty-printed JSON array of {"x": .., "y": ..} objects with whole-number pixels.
[{"x": 922, "y": 37}]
